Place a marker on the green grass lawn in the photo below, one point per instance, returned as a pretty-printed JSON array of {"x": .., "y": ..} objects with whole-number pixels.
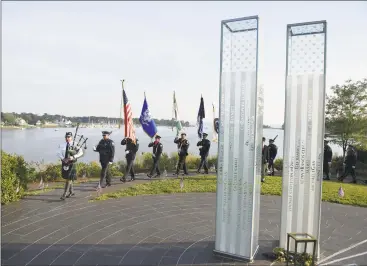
[
  {"x": 353, "y": 194},
  {"x": 41, "y": 191}
]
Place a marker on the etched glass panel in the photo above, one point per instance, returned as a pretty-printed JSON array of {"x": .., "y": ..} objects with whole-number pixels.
[
  {"x": 236, "y": 186},
  {"x": 303, "y": 130}
]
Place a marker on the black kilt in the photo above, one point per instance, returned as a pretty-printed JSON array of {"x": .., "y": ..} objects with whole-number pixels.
[{"x": 69, "y": 174}]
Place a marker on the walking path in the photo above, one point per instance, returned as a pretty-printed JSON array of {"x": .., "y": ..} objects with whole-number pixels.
[{"x": 175, "y": 229}]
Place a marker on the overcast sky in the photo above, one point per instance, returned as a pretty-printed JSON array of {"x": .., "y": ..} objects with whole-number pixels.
[{"x": 68, "y": 57}]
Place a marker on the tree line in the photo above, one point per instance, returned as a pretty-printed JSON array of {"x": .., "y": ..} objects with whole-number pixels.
[
  {"x": 32, "y": 119},
  {"x": 346, "y": 115}
]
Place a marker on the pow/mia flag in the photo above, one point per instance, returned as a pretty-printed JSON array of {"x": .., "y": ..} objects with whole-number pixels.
[{"x": 216, "y": 125}]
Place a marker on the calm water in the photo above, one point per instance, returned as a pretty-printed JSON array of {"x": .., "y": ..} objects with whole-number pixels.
[{"x": 42, "y": 143}]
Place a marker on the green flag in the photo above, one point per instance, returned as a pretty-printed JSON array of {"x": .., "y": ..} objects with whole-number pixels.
[{"x": 175, "y": 118}]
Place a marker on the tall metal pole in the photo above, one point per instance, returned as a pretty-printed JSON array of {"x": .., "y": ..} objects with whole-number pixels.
[{"x": 122, "y": 97}]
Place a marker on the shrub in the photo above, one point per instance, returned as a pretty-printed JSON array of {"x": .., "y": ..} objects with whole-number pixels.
[
  {"x": 15, "y": 175},
  {"x": 337, "y": 163},
  {"x": 192, "y": 161},
  {"x": 278, "y": 164},
  {"x": 165, "y": 162},
  {"x": 115, "y": 170},
  {"x": 52, "y": 172},
  {"x": 94, "y": 169},
  {"x": 173, "y": 161},
  {"x": 212, "y": 161}
]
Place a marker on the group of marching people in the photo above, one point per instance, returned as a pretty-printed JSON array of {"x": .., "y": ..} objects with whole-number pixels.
[
  {"x": 69, "y": 155},
  {"x": 106, "y": 150}
]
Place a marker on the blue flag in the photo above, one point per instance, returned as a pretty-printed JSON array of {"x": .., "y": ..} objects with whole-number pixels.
[
  {"x": 147, "y": 121},
  {"x": 201, "y": 115}
]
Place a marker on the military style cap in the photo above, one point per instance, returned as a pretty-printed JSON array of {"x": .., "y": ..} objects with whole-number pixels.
[
  {"x": 183, "y": 133},
  {"x": 157, "y": 136},
  {"x": 326, "y": 141},
  {"x": 205, "y": 134},
  {"x": 68, "y": 134},
  {"x": 106, "y": 132}
]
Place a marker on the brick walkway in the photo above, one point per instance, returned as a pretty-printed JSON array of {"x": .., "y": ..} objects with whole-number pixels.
[{"x": 149, "y": 230}]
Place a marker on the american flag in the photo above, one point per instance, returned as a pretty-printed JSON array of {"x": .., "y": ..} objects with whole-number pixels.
[{"x": 128, "y": 120}]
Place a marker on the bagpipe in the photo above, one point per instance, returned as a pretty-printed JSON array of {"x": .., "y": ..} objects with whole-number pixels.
[{"x": 74, "y": 148}]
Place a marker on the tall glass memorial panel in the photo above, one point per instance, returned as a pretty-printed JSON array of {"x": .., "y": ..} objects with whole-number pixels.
[
  {"x": 303, "y": 130},
  {"x": 240, "y": 138}
]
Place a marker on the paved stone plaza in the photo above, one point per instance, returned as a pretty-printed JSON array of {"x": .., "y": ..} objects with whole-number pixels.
[{"x": 173, "y": 229}]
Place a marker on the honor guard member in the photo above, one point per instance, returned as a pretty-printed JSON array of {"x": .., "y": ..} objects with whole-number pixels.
[
  {"x": 265, "y": 157},
  {"x": 204, "y": 145},
  {"x": 130, "y": 151},
  {"x": 68, "y": 156},
  {"x": 328, "y": 156},
  {"x": 183, "y": 146},
  {"x": 350, "y": 162},
  {"x": 272, "y": 151},
  {"x": 157, "y": 152},
  {"x": 106, "y": 150}
]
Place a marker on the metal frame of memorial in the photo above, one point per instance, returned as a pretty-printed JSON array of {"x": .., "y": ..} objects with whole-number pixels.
[
  {"x": 304, "y": 123},
  {"x": 239, "y": 145}
]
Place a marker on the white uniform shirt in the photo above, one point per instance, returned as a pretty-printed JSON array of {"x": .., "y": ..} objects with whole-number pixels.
[{"x": 62, "y": 150}]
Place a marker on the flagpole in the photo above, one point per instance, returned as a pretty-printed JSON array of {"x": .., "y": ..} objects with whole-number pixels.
[
  {"x": 173, "y": 109},
  {"x": 145, "y": 97},
  {"x": 122, "y": 97}
]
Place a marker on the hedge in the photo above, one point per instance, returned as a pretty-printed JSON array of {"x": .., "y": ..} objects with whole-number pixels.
[{"x": 16, "y": 173}]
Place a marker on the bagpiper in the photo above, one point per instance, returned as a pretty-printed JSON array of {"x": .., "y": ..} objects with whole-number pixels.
[{"x": 69, "y": 155}]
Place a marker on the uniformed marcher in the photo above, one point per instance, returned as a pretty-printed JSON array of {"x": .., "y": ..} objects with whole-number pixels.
[
  {"x": 204, "y": 145},
  {"x": 157, "y": 152},
  {"x": 106, "y": 150},
  {"x": 69, "y": 156},
  {"x": 350, "y": 162},
  {"x": 183, "y": 146},
  {"x": 130, "y": 151},
  {"x": 272, "y": 152},
  {"x": 328, "y": 156},
  {"x": 265, "y": 158}
]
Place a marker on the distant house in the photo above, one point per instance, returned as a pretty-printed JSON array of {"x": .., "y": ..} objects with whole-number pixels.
[
  {"x": 39, "y": 123},
  {"x": 65, "y": 123},
  {"x": 20, "y": 122}
]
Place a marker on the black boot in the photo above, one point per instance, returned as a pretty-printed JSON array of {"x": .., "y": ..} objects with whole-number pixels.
[{"x": 70, "y": 195}]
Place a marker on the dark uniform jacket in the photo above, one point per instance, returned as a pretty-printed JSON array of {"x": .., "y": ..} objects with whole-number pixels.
[
  {"x": 265, "y": 154},
  {"x": 157, "y": 148},
  {"x": 182, "y": 145},
  {"x": 273, "y": 150},
  {"x": 204, "y": 150},
  {"x": 328, "y": 154},
  {"x": 350, "y": 158},
  {"x": 106, "y": 149},
  {"x": 131, "y": 147}
]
